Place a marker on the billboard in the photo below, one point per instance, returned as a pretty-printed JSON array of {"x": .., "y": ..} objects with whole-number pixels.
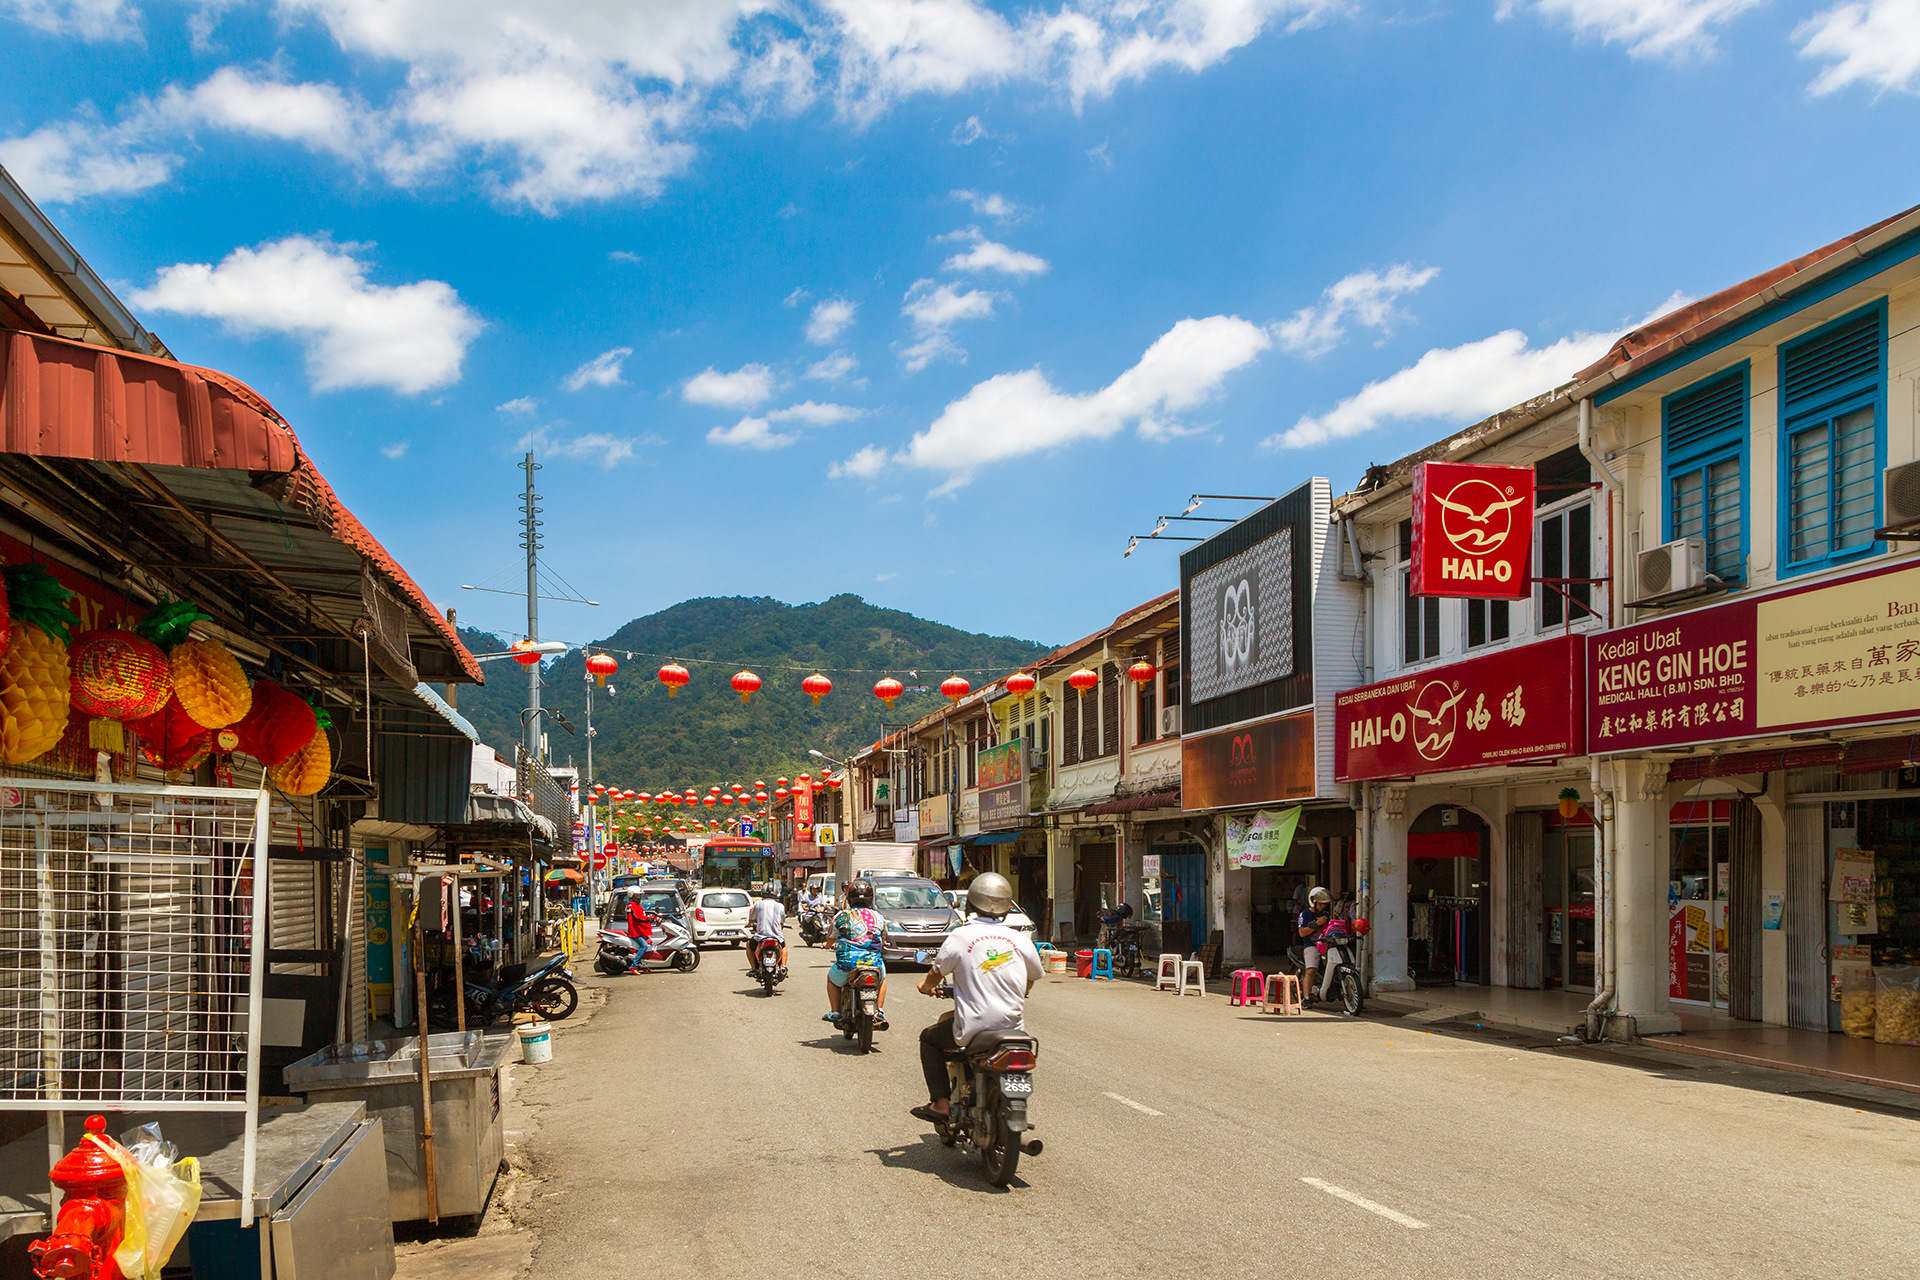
[
  {"x": 1002, "y": 778},
  {"x": 1472, "y": 530},
  {"x": 1248, "y": 764},
  {"x": 1514, "y": 705},
  {"x": 934, "y": 816}
]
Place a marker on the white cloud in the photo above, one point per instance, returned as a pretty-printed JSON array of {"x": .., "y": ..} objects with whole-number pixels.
[
  {"x": 968, "y": 132},
  {"x": 989, "y": 255},
  {"x": 625, "y": 255},
  {"x": 1457, "y": 384},
  {"x": 1674, "y": 29},
  {"x": 1365, "y": 297},
  {"x": 752, "y": 433},
  {"x": 594, "y": 446},
  {"x": 832, "y": 368},
  {"x": 1015, "y": 414},
  {"x": 830, "y": 318},
  {"x": 318, "y": 115},
  {"x": 745, "y": 387},
  {"x": 86, "y": 19},
  {"x": 798, "y": 296},
  {"x": 992, "y": 205},
  {"x": 397, "y": 450},
  {"x": 1876, "y": 43},
  {"x": 73, "y": 159},
  {"x": 409, "y": 337},
  {"x": 523, "y": 404},
  {"x": 601, "y": 371},
  {"x": 886, "y": 577},
  {"x": 816, "y": 414},
  {"x": 933, "y": 310}
]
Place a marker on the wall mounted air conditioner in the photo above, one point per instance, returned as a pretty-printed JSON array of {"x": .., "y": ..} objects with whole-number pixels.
[
  {"x": 1036, "y": 759},
  {"x": 1900, "y": 497},
  {"x": 1169, "y": 721},
  {"x": 1670, "y": 569}
]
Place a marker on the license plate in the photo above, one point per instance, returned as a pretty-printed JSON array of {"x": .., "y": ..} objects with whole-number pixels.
[
  {"x": 1016, "y": 1084},
  {"x": 726, "y": 933},
  {"x": 919, "y": 957}
]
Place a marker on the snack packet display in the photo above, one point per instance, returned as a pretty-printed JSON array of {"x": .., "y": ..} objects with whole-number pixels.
[
  {"x": 1857, "y": 991},
  {"x": 1896, "y": 1006}
]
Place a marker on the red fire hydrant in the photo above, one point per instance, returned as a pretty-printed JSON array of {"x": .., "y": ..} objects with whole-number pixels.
[{"x": 92, "y": 1216}]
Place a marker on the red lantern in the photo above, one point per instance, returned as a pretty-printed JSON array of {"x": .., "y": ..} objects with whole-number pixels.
[
  {"x": 673, "y": 675},
  {"x": 600, "y": 666},
  {"x": 626, "y": 795},
  {"x": 1084, "y": 679},
  {"x": 759, "y": 786},
  {"x": 805, "y": 777},
  {"x": 523, "y": 652},
  {"x": 1142, "y": 671},
  {"x": 760, "y": 795},
  {"x": 278, "y": 725},
  {"x": 713, "y": 791},
  {"x": 833, "y": 783},
  {"x": 745, "y": 683},
  {"x": 780, "y": 782},
  {"x": 780, "y": 793},
  {"x": 170, "y": 738},
  {"x": 817, "y": 685},
  {"x": 888, "y": 689},
  {"x": 1020, "y": 682},
  {"x": 710, "y": 802},
  {"x": 726, "y": 799},
  {"x": 646, "y": 797},
  {"x": 953, "y": 688}
]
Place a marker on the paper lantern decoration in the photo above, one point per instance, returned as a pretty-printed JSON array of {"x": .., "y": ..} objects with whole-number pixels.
[
  {"x": 278, "y": 725},
  {"x": 888, "y": 689},
  {"x": 209, "y": 683},
  {"x": 833, "y": 783},
  {"x": 600, "y": 666},
  {"x": 172, "y": 739},
  {"x": 523, "y": 652},
  {"x": 759, "y": 786},
  {"x": 673, "y": 675},
  {"x": 710, "y": 801},
  {"x": 726, "y": 799},
  {"x": 713, "y": 791},
  {"x": 746, "y": 684},
  {"x": 805, "y": 777},
  {"x": 646, "y": 797},
  {"x": 1142, "y": 671},
  {"x": 818, "y": 686},
  {"x": 305, "y": 771},
  {"x": 1084, "y": 679},
  {"x": 779, "y": 793},
  {"x": 953, "y": 688},
  {"x": 1569, "y": 803},
  {"x": 1020, "y": 682},
  {"x": 117, "y": 675},
  {"x": 760, "y": 796}
]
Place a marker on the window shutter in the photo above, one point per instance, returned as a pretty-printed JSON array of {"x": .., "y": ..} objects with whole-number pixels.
[
  {"x": 1089, "y": 727},
  {"x": 1110, "y": 710},
  {"x": 1836, "y": 362},
  {"x": 1707, "y": 417},
  {"x": 1169, "y": 648},
  {"x": 1070, "y": 727}
]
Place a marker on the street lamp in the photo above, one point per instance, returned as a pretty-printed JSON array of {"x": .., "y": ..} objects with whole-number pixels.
[{"x": 545, "y": 648}]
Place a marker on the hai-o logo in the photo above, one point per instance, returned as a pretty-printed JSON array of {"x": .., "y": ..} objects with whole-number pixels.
[
  {"x": 1477, "y": 515},
  {"x": 1436, "y": 717}
]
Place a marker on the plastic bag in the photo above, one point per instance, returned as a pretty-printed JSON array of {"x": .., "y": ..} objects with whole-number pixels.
[
  {"x": 1896, "y": 1006},
  {"x": 1857, "y": 1001},
  {"x": 163, "y": 1195}
]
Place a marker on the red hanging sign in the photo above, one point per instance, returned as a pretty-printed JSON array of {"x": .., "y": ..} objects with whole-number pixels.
[{"x": 1472, "y": 530}]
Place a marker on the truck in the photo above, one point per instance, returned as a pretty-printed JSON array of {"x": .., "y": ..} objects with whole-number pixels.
[{"x": 855, "y": 858}]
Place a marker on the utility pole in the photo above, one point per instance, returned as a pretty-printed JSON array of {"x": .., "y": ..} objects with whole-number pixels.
[{"x": 530, "y": 539}]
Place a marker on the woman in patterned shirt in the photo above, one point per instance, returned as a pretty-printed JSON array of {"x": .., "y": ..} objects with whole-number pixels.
[{"x": 856, "y": 937}]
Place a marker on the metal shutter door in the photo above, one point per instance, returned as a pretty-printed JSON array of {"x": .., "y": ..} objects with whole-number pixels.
[
  {"x": 1806, "y": 917},
  {"x": 293, "y": 911}
]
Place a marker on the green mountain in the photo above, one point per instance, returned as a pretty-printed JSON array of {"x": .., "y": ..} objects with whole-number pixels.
[{"x": 703, "y": 736}]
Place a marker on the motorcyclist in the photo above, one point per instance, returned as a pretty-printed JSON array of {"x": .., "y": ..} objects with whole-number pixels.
[
  {"x": 639, "y": 923},
  {"x": 856, "y": 937},
  {"x": 993, "y": 969},
  {"x": 1317, "y": 915},
  {"x": 767, "y": 920}
]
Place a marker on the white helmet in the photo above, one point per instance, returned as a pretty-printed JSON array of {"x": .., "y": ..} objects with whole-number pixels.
[{"x": 1316, "y": 896}]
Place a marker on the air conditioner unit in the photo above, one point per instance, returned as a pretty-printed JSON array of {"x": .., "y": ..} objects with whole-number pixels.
[
  {"x": 1169, "y": 722},
  {"x": 1672, "y": 568},
  {"x": 1900, "y": 495},
  {"x": 1036, "y": 759}
]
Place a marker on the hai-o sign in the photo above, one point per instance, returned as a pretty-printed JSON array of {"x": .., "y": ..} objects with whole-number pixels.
[{"x": 1472, "y": 530}]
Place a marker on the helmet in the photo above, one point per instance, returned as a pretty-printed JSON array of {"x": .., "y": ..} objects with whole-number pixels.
[
  {"x": 1317, "y": 896},
  {"x": 990, "y": 895},
  {"x": 860, "y": 893},
  {"x": 772, "y": 891}
]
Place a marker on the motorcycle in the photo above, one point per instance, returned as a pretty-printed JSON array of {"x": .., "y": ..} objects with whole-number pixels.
[
  {"x": 672, "y": 947},
  {"x": 547, "y": 990},
  {"x": 1339, "y": 961},
  {"x": 813, "y": 927},
  {"x": 767, "y": 969},
  {"x": 860, "y": 1007},
  {"x": 992, "y": 1083},
  {"x": 1122, "y": 941}
]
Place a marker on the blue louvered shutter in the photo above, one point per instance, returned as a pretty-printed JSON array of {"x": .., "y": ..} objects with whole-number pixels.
[
  {"x": 1704, "y": 449},
  {"x": 1832, "y": 385}
]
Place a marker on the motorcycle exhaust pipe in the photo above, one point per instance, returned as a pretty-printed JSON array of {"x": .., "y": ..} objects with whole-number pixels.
[{"x": 1032, "y": 1146}]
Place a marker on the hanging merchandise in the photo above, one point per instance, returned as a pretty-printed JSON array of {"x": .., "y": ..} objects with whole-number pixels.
[
  {"x": 171, "y": 738},
  {"x": 279, "y": 724},
  {"x": 745, "y": 683},
  {"x": 306, "y": 771},
  {"x": 34, "y": 675},
  {"x": 888, "y": 689},
  {"x": 117, "y": 676},
  {"x": 817, "y": 685},
  {"x": 673, "y": 675}
]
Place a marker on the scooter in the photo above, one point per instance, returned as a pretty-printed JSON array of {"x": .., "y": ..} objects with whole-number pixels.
[
  {"x": 860, "y": 1007},
  {"x": 1339, "y": 966},
  {"x": 813, "y": 927},
  {"x": 992, "y": 1083},
  {"x": 765, "y": 959},
  {"x": 547, "y": 990},
  {"x": 672, "y": 947}
]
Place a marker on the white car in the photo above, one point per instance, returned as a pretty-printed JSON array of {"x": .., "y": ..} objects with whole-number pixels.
[
  {"x": 1016, "y": 919},
  {"x": 721, "y": 915}
]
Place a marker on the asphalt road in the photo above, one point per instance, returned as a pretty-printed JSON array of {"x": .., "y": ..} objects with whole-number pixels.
[{"x": 694, "y": 1127}]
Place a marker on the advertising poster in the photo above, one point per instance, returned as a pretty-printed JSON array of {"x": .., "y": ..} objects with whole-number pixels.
[
  {"x": 1472, "y": 530},
  {"x": 1249, "y": 764},
  {"x": 1261, "y": 839},
  {"x": 1003, "y": 785}
]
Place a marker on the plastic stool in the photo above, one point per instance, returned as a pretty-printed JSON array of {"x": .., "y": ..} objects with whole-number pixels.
[
  {"x": 1283, "y": 994},
  {"x": 1169, "y": 975},
  {"x": 1102, "y": 964},
  {"x": 1198, "y": 982},
  {"x": 1249, "y": 987}
]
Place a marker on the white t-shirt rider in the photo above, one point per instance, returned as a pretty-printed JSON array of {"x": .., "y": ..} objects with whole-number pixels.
[
  {"x": 767, "y": 918},
  {"x": 991, "y": 966}
]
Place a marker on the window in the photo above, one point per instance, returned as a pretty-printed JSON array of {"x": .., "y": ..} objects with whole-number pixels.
[
  {"x": 1832, "y": 428},
  {"x": 1110, "y": 709},
  {"x": 1070, "y": 702},
  {"x": 1703, "y": 445},
  {"x": 1566, "y": 551},
  {"x": 1487, "y": 622},
  {"x": 1421, "y": 618},
  {"x": 1146, "y": 708}
]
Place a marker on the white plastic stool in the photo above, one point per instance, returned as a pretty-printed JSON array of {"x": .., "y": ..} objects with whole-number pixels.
[
  {"x": 1168, "y": 977},
  {"x": 1198, "y": 982}
]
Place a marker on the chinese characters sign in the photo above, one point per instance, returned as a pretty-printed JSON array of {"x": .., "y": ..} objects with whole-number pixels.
[
  {"x": 1509, "y": 706},
  {"x": 1840, "y": 653},
  {"x": 1003, "y": 785},
  {"x": 1261, "y": 839},
  {"x": 1472, "y": 530}
]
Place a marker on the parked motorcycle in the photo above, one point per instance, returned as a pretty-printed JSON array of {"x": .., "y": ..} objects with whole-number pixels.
[
  {"x": 767, "y": 969},
  {"x": 1122, "y": 941},
  {"x": 992, "y": 1083},
  {"x": 547, "y": 990},
  {"x": 672, "y": 947},
  {"x": 814, "y": 926},
  {"x": 1340, "y": 963},
  {"x": 860, "y": 1007}
]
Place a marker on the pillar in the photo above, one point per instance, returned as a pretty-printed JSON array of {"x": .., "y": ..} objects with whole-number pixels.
[
  {"x": 1237, "y": 947},
  {"x": 1389, "y": 823},
  {"x": 1773, "y": 883},
  {"x": 1060, "y": 878},
  {"x": 1642, "y": 859}
]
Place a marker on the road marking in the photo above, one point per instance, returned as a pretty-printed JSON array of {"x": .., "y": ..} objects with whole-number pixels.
[
  {"x": 1391, "y": 1215},
  {"x": 1129, "y": 1102}
]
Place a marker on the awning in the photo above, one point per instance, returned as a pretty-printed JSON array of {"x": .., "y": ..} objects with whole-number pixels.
[
  {"x": 994, "y": 837},
  {"x": 1132, "y": 804},
  {"x": 445, "y": 709}
]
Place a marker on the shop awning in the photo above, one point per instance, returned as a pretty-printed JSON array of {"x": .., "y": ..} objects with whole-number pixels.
[
  {"x": 994, "y": 837},
  {"x": 1133, "y": 804}
]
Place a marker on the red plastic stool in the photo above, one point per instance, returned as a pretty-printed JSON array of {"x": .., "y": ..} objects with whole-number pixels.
[{"x": 1249, "y": 987}]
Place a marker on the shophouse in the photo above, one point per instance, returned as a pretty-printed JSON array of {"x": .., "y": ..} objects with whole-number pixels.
[{"x": 1745, "y": 837}]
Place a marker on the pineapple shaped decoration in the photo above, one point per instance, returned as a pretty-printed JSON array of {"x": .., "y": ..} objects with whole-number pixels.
[
  {"x": 118, "y": 675},
  {"x": 306, "y": 771},
  {"x": 206, "y": 678},
  {"x": 34, "y": 676}
]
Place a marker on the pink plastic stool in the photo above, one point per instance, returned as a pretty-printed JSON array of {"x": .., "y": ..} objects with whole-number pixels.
[
  {"x": 1283, "y": 993},
  {"x": 1249, "y": 987}
]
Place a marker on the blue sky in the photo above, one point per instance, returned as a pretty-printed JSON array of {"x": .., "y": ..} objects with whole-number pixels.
[{"x": 928, "y": 300}]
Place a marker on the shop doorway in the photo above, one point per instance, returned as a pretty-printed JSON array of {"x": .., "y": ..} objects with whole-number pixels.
[
  {"x": 1030, "y": 884},
  {"x": 1568, "y": 881},
  {"x": 1096, "y": 886},
  {"x": 1448, "y": 896},
  {"x": 1183, "y": 897},
  {"x": 1699, "y": 883},
  {"x": 1279, "y": 895}
]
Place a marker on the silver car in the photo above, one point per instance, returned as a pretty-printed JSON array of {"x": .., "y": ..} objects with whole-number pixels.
[{"x": 918, "y": 918}]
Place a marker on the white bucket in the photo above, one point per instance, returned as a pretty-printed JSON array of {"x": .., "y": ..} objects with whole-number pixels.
[{"x": 536, "y": 1042}]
